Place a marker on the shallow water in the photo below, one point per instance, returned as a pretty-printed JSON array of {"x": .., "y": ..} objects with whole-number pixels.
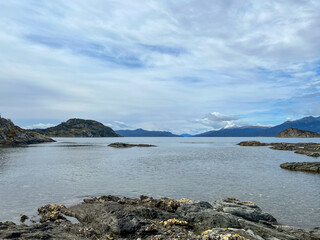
[{"x": 208, "y": 169}]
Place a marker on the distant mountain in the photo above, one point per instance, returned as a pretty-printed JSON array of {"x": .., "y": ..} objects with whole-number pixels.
[
  {"x": 12, "y": 135},
  {"x": 145, "y": 133},
  {"x": 297, "y": 133},
  {"x": 307, "y": 123},
  {"x": 76, "y": 127},
  {"x": 248, "y": 131}
]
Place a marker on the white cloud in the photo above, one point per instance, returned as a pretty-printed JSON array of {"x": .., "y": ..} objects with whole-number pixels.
[
  {"x": 217, "y": 120},
  {"x": 118, "y": 125}
]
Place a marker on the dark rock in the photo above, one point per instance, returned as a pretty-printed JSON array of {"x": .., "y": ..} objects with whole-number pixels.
[
  {"x": 313, "y": 167},
  {"x": 297, "y": 133},
  {"x": 12, "y": 135},
  {"x": 128, "y": 145}
]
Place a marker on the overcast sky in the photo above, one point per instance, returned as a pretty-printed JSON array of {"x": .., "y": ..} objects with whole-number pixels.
[{"x": 183, "y": 66}]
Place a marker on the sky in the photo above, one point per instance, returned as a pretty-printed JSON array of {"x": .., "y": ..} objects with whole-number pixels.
[{"x": 185, "y": 66}]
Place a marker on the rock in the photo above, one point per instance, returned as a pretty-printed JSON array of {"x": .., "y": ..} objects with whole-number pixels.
[
  {"x": 297, "y": 133},
  {"x": 252, "y": 143},
  {"x": 128, "y": 145},
  {"x": 313, "y": 167},
  {"x": 111, "y": 217},
  {"x": 12, "y": 135}
]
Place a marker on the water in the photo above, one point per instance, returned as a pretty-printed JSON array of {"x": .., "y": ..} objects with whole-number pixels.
[{"x": 208, "y": 169}]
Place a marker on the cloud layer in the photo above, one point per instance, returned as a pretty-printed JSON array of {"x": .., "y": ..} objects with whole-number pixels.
[{"x": 159, "y": 64}]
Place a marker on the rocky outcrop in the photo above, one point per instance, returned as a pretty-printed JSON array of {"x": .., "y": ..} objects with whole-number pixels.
[
  {"x": 313, "y": 167},
  {"x": 297, "y": 133},
  {"x": 111, "y": 217},
  {"x": 309, "y": 149},
  {"x": 129, "y": 145},
  {"x": 12, "y": 135},
  {"x": 78, "y": 128}
]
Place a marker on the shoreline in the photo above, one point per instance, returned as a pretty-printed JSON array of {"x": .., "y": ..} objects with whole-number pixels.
[{"x": 111, "y": 217}]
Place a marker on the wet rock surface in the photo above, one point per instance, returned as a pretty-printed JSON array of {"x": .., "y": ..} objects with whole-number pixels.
[
  {"x": 129, "y": 145},
  {"x": 111, "y": 217},
  {"x": 313, "y": 167},
  {"x": 309, "y": 149}
]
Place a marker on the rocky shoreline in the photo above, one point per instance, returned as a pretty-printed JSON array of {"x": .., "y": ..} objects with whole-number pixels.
[
  {"x": 309, "y": 149},
  {"x": 111, "y": 217}
]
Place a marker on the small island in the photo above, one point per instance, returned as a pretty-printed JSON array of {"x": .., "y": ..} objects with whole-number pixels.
[
  {"x": 12, "y": 135},
  {"x": 297, "y": 133},
  {"x": 129, "y": 145},
  {"x": 76, "y": 127}
]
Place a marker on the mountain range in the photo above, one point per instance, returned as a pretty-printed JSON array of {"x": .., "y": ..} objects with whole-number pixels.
[
  {"x": 90, "y": 128},
  {"x": 307, "y": 123},
  {"x": 145, "y": 133}
]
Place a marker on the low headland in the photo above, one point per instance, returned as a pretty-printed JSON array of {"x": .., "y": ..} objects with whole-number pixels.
[
  {"x": 110, "y": 217},
  {"x": 12, "y": 135}
]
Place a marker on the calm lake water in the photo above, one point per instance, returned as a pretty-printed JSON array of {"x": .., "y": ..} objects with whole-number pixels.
[{"x": 207, "y": 169}]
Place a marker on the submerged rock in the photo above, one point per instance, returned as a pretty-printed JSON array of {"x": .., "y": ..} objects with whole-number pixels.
[
  {"x": 313, "y": 167},
  {"x": 128, "y": 145},
  {"x": 111, "y": 217}
]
